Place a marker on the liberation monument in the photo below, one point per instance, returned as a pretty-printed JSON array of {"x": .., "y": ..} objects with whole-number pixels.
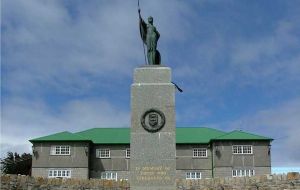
[{"x": 152, "y": 143}]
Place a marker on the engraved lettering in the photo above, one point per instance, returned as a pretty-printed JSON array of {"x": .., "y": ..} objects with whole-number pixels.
[{"x": 153, "y": 173}]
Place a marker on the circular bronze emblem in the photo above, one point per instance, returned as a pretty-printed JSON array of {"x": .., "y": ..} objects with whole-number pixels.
[{"x": 153, "y": 120}]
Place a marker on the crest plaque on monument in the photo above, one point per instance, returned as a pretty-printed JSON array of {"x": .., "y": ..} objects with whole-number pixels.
[{"x": 153, "y": 120}]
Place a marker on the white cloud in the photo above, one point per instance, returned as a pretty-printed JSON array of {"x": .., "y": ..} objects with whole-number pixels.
[
  {"x": 26, "y": 119},
  {"x": 44, "y": 46},
  {"x": 47, "y": 47},
  {"x": 261, "y": 60},
  {"x": 268, "y": 58}
]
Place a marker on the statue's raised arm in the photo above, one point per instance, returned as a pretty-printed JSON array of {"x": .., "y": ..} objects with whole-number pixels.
[{"x": 150, "y": 36}]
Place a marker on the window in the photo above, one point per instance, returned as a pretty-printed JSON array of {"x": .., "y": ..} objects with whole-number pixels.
[
  {"x": 127, "y": 153},
  {"x": 193, "y": 175},
  {"x": 247, "y": 149},
  {"x": 59, "y": 173},
  {"x": 237, "y": 149},
  {"x": 242, "y": 149},
  {"x": 200, "y": 152},
  {"x": 241, "y": 173},
  {"x": 60, "y": 150},
  {"x": 103, "y": 153},
  {"x": 109, "y": 175}
]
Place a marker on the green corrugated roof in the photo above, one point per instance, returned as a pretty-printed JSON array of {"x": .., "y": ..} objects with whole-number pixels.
[
  {"x": 184, "y": 135},
  {"x": 63, "y": 136},
  {"x": 107, "y": 135},
  {"x": 196, "y": 134},
  {"x": 241, "y": 135}
]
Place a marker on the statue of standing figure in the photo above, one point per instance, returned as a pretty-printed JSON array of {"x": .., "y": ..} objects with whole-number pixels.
[{"x": 150, "y": 36}]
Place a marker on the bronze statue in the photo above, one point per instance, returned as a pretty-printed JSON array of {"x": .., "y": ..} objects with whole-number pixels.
[{"x": 150, "y": 36}]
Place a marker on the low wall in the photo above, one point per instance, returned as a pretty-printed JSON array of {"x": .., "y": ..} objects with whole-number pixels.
[
  {"x": 270, "y": 182},
  {"x": 266, "y": 182}
]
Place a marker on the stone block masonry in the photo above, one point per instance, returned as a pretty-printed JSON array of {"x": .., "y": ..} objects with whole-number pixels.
[
  {"x": 266, "y": 182},
  {"x": 152, "y": 147},
  {"x": 18, "y": 182}
]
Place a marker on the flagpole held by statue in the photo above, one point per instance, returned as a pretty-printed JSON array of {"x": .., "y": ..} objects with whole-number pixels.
[{"x": 149, "y": 36}]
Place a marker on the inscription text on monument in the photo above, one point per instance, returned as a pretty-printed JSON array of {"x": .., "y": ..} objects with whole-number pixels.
[{"x": 152, "y": 173}]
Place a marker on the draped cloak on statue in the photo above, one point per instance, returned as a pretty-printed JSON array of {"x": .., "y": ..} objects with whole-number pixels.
[{"x": 150, "y": 36}]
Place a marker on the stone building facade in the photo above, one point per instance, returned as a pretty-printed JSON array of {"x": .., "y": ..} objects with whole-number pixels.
[{"x": 105, "y": 153}]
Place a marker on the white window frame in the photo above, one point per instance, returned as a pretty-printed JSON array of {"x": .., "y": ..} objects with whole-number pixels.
[
  {"x": 59, "y": 173},
  {"x": 127, "y": 153},
  {"x": 243, "y": 172},
  {"x": 247, "y": 149},
  {"x": 242, "y": 149},
  {"x": 193, "y": 175},
  {"x": 103, "y": 153},
  {"x": 200, "y": 153},
  {"x": 60, "y": 150},
  {"x": 109, "y": 175}
]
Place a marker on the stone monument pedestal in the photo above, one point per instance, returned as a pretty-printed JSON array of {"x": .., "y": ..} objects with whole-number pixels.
[{"x": 152, "y": 143}]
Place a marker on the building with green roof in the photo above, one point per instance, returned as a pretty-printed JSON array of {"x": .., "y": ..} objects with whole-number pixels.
[{"x": 105, "y": 153}]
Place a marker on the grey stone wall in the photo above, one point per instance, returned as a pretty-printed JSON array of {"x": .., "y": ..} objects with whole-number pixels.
[
  {"x": 266, "y": 182},
  {"x": 225, "y": 158},
  {"x": 260, "y": 160},
  {"x": 225, "y": 161},
  {"x": 262, "y": 170},
  {"x": 77, "y": 157},
  {"x": 116, "y": 162},
  {"x": 77, "y": 161},
  {"x": 186, "y": 161}
]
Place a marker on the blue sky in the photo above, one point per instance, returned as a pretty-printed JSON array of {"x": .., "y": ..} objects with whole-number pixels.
[{"x": 68, "y": 65}]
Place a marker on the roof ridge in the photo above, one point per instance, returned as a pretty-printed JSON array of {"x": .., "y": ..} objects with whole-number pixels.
[
  {"x": 178, "y": 127},
  {"x": 211, "y": 128},
  {"x": 79, "y": 136},
  {"x": 223, "y": 135},
  {"x": 249, "y": 133},
  {"x": 54, "y": 134},
  {"x": 236, "y": 130},
  {"x": 63, "y": 132},
  {"x": 240, "y": 132},
  {"x": 106, "y": 128},
  {"x": 193, "y": 127},
  {"x": 226, "y": 133},
  {"x": 95, "y": 128}
]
